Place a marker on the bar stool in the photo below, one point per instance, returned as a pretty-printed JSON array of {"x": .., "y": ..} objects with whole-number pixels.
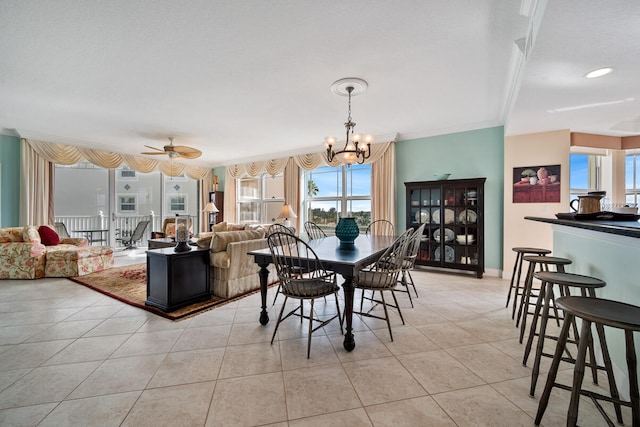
[
  {"x": 529, "y": 290},
  {"x": 517, "y": 269},
  {"x": 602, "y": 312},
  {"x": 565, "y": 282}
]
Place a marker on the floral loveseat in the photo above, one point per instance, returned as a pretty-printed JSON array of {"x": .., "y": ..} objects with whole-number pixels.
[{"x": 23, "y": 255}]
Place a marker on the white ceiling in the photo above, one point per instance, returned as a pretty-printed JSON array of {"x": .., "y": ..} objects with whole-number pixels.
[{"x": 243, "y": 80}]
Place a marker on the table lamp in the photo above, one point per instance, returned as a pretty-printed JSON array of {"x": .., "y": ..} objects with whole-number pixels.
[
  {"x": 287, "y": 212},
  {"x": 212, "y": 210}
]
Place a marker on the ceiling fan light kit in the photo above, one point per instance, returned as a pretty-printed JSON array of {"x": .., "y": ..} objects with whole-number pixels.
[{"x": 175, "y": 151}]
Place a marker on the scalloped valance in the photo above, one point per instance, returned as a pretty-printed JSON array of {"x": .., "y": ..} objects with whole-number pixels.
[
  {"x": 304, "y": 161},
  {"x": 68, "y": 154}
]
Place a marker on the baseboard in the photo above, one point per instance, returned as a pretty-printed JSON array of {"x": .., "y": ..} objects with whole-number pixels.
[{"x": 489, "y": 272}]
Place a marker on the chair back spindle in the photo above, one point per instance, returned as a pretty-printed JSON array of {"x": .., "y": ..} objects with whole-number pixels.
[
  {"x": 314, "y": 231},
  {"x": 381, "y": 227}
]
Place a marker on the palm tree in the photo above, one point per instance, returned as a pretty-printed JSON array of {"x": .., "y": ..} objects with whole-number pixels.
[{"x": 312, "y": 188}]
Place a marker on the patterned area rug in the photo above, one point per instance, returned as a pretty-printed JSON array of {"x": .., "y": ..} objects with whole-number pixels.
[{"x": 129, "y": 284}]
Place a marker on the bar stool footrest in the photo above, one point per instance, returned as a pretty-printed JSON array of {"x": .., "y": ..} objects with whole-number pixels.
[{"x": 595, "y": 397}]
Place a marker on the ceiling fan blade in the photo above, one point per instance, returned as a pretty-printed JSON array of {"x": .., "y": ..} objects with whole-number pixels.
[
  {"x": 190, "y": 155},
  {"x": 175, "y": 151},
  {"x": 153, "y": 148},
  {"x": 187, "y": 152}
]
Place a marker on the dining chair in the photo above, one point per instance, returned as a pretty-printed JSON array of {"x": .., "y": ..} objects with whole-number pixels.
[
  {"x": 278, "y": 228},
  {"x": 290, "y": 255},
  {"x": 138, "y": 233},
  {"x": 382, "y": 276},
  {"x": 409, "y": 262},
  {"x": 381, "y": 227},
  {"x": 313, "y": 231}
]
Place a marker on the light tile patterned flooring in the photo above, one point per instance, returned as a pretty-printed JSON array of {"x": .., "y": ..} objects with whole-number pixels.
[{"x": 72, "y": 356}]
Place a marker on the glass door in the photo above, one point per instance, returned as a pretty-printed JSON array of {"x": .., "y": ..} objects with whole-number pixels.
[
  {"x": 137, "y": 197},
  {"x": 105, "y": 205},
  {"x": 81, "y": 202}
]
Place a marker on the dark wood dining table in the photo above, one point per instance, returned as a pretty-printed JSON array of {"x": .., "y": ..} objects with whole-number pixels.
[{"x": 345, "y": 260}]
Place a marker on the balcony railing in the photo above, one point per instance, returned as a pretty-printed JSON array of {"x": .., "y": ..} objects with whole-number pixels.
[{"x": 123, "y": 226}]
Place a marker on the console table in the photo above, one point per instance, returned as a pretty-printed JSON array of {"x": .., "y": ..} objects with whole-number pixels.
[
  {"x": 177, "y": 279},
  {"x": 165, "y": 242}
]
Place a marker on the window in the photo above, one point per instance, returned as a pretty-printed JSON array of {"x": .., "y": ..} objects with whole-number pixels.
[
  {"x": 81, "y": 191},
  {"x": 259, "y": 199},
  {"x": 335, "y": 192},
  {"x": 181, "y": 177},
  {"x": 585, "y": 173},
  {"x": 632, "y": 178},
  {"x": 177, "y": 203},
  {"x": 127, "y": 204},
  {"x": 126, "y": 173}
]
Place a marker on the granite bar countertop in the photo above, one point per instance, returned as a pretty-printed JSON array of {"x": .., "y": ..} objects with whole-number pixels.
[{"x": 622, "y": 228}]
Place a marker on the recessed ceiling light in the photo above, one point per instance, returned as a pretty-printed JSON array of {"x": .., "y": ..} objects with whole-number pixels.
[{"x": 598, "y": 73}]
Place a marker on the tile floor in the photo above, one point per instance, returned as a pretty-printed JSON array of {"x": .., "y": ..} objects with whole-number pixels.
[{"x": 72, "y": 356}]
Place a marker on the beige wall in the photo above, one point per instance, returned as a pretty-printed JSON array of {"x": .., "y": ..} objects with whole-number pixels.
[{"x": 538, "y": 149}]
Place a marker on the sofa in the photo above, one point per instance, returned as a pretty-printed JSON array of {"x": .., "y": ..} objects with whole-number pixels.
[
  {"x": 233, "y": 271},
  {"x": 25, "y": 255}
]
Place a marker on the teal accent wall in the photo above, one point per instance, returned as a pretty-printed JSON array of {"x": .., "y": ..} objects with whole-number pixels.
[
  {"x": 473, "y": 154},
  {"x": 9, "y": 181},
  {"x": 221, "y": 173}
]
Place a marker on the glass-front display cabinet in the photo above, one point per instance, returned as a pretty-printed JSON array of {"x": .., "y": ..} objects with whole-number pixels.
[{"x": 453, "y": 211}]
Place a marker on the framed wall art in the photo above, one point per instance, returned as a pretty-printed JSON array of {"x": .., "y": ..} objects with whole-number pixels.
[{"x": 536, "y": 184}]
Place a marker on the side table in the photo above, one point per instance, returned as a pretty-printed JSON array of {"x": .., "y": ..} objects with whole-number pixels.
[{"x": 177, "y": 279}]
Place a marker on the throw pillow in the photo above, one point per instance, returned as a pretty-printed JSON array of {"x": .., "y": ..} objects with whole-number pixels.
[
  {"x": 221, "y": 226},
  {"x": 233, "y": 227},
  {"x": 48, "y": 236},
  {"x": 30, "y": 234},
  {"x": 204, "y": 235},
  {"x": 204, "y": 242}
]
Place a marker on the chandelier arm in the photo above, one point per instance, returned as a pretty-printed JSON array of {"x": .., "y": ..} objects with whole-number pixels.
[
  {"x": 330, "y": 154},
  {"x": 367, "y": 153},
  {"x": 346, "y": 141}
]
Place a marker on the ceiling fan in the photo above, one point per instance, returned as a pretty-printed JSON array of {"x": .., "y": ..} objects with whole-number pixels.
[{"x": 174, "y": 151}]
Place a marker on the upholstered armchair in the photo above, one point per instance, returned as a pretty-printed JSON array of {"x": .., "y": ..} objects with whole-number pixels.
[{"x": 169, "y": 228}]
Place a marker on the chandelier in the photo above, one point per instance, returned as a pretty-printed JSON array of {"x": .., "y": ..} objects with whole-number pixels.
[{"x": 357, "y": 148}]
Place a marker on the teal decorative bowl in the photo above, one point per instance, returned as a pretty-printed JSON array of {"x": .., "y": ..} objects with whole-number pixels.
[{"x": 441, "y": 176}]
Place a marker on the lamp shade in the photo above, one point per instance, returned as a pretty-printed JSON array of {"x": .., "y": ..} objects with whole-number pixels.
[
  {"x": 287, "y": 212},
  {"x": 211, "y": 208}
]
